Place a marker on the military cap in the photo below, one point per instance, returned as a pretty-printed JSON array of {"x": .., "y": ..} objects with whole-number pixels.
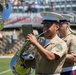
[
  {"x": 50, "y": 17},
  {"x": 66, "y": 18}
]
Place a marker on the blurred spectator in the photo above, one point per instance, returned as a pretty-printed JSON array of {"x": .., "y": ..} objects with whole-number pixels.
[
  {"x": 1, "y": 36},
  {"x": 36, "y": 6},
  {"x": 51, "y": 7},
  {"x": 10, "y": 1},
  {"x": 16, "y": 2},
  {"x": 14, "y": 36},
  {"x": 32, "y": 8},
  {"x": 29, "y": 8},
  {"x": 22, "y": 2},
  {"x": 39, "y": 2}
]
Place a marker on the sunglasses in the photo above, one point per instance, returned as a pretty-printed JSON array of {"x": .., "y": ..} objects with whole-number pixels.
[{"x": 47, "y": 25}]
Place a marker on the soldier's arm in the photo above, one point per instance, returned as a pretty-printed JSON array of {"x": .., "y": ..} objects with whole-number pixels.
[
  {"x": 48, "y": 55},
  {"x": 71, "y": 56}
]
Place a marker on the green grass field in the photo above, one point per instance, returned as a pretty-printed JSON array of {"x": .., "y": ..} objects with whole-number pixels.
[{"x": 5, "y": 67}]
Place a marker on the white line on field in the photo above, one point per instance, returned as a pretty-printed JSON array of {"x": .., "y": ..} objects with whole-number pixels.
[
  {"x": 5, "y": 71},
  {"x": 6, "y": 56}
]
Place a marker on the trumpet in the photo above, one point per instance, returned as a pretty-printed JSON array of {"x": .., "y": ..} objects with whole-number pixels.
[{"x": 18, "y": 65}]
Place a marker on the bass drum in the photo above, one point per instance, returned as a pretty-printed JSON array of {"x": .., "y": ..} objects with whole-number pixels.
[{"x": 19, "y": 69}]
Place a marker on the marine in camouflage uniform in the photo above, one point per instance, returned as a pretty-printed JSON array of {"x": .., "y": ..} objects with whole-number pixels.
[
  {"x": 69, "y": 67},
  {"x": 51, "y": 51}
]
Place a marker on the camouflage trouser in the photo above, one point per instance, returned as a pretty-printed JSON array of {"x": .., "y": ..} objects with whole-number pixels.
[
  {"x": 69, "y": 71},
  {"x": 73, "y": 72}
]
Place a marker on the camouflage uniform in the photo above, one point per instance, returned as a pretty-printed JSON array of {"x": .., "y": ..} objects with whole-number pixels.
[
  {"x": 58, "y": 47},
  {"x": 70, "y": 68},
  {"x": 70, "y": 39}
]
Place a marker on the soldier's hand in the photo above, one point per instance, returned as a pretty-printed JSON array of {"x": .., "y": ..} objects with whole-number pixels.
[{"x": 31, "y": 38}]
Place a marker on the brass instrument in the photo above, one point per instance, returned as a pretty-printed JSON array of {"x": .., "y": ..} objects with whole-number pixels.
[
  {"x": 2, "y": 6},
  {"x": 1, "y": 23},
  {"x": 18, "y": 65},
  {"x": 73, "y": 32}
]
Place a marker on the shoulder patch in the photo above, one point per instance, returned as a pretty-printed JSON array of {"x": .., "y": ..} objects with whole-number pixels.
[
  {"x": 74, "y": 47},
  {"x": 59, "y": 47}
]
